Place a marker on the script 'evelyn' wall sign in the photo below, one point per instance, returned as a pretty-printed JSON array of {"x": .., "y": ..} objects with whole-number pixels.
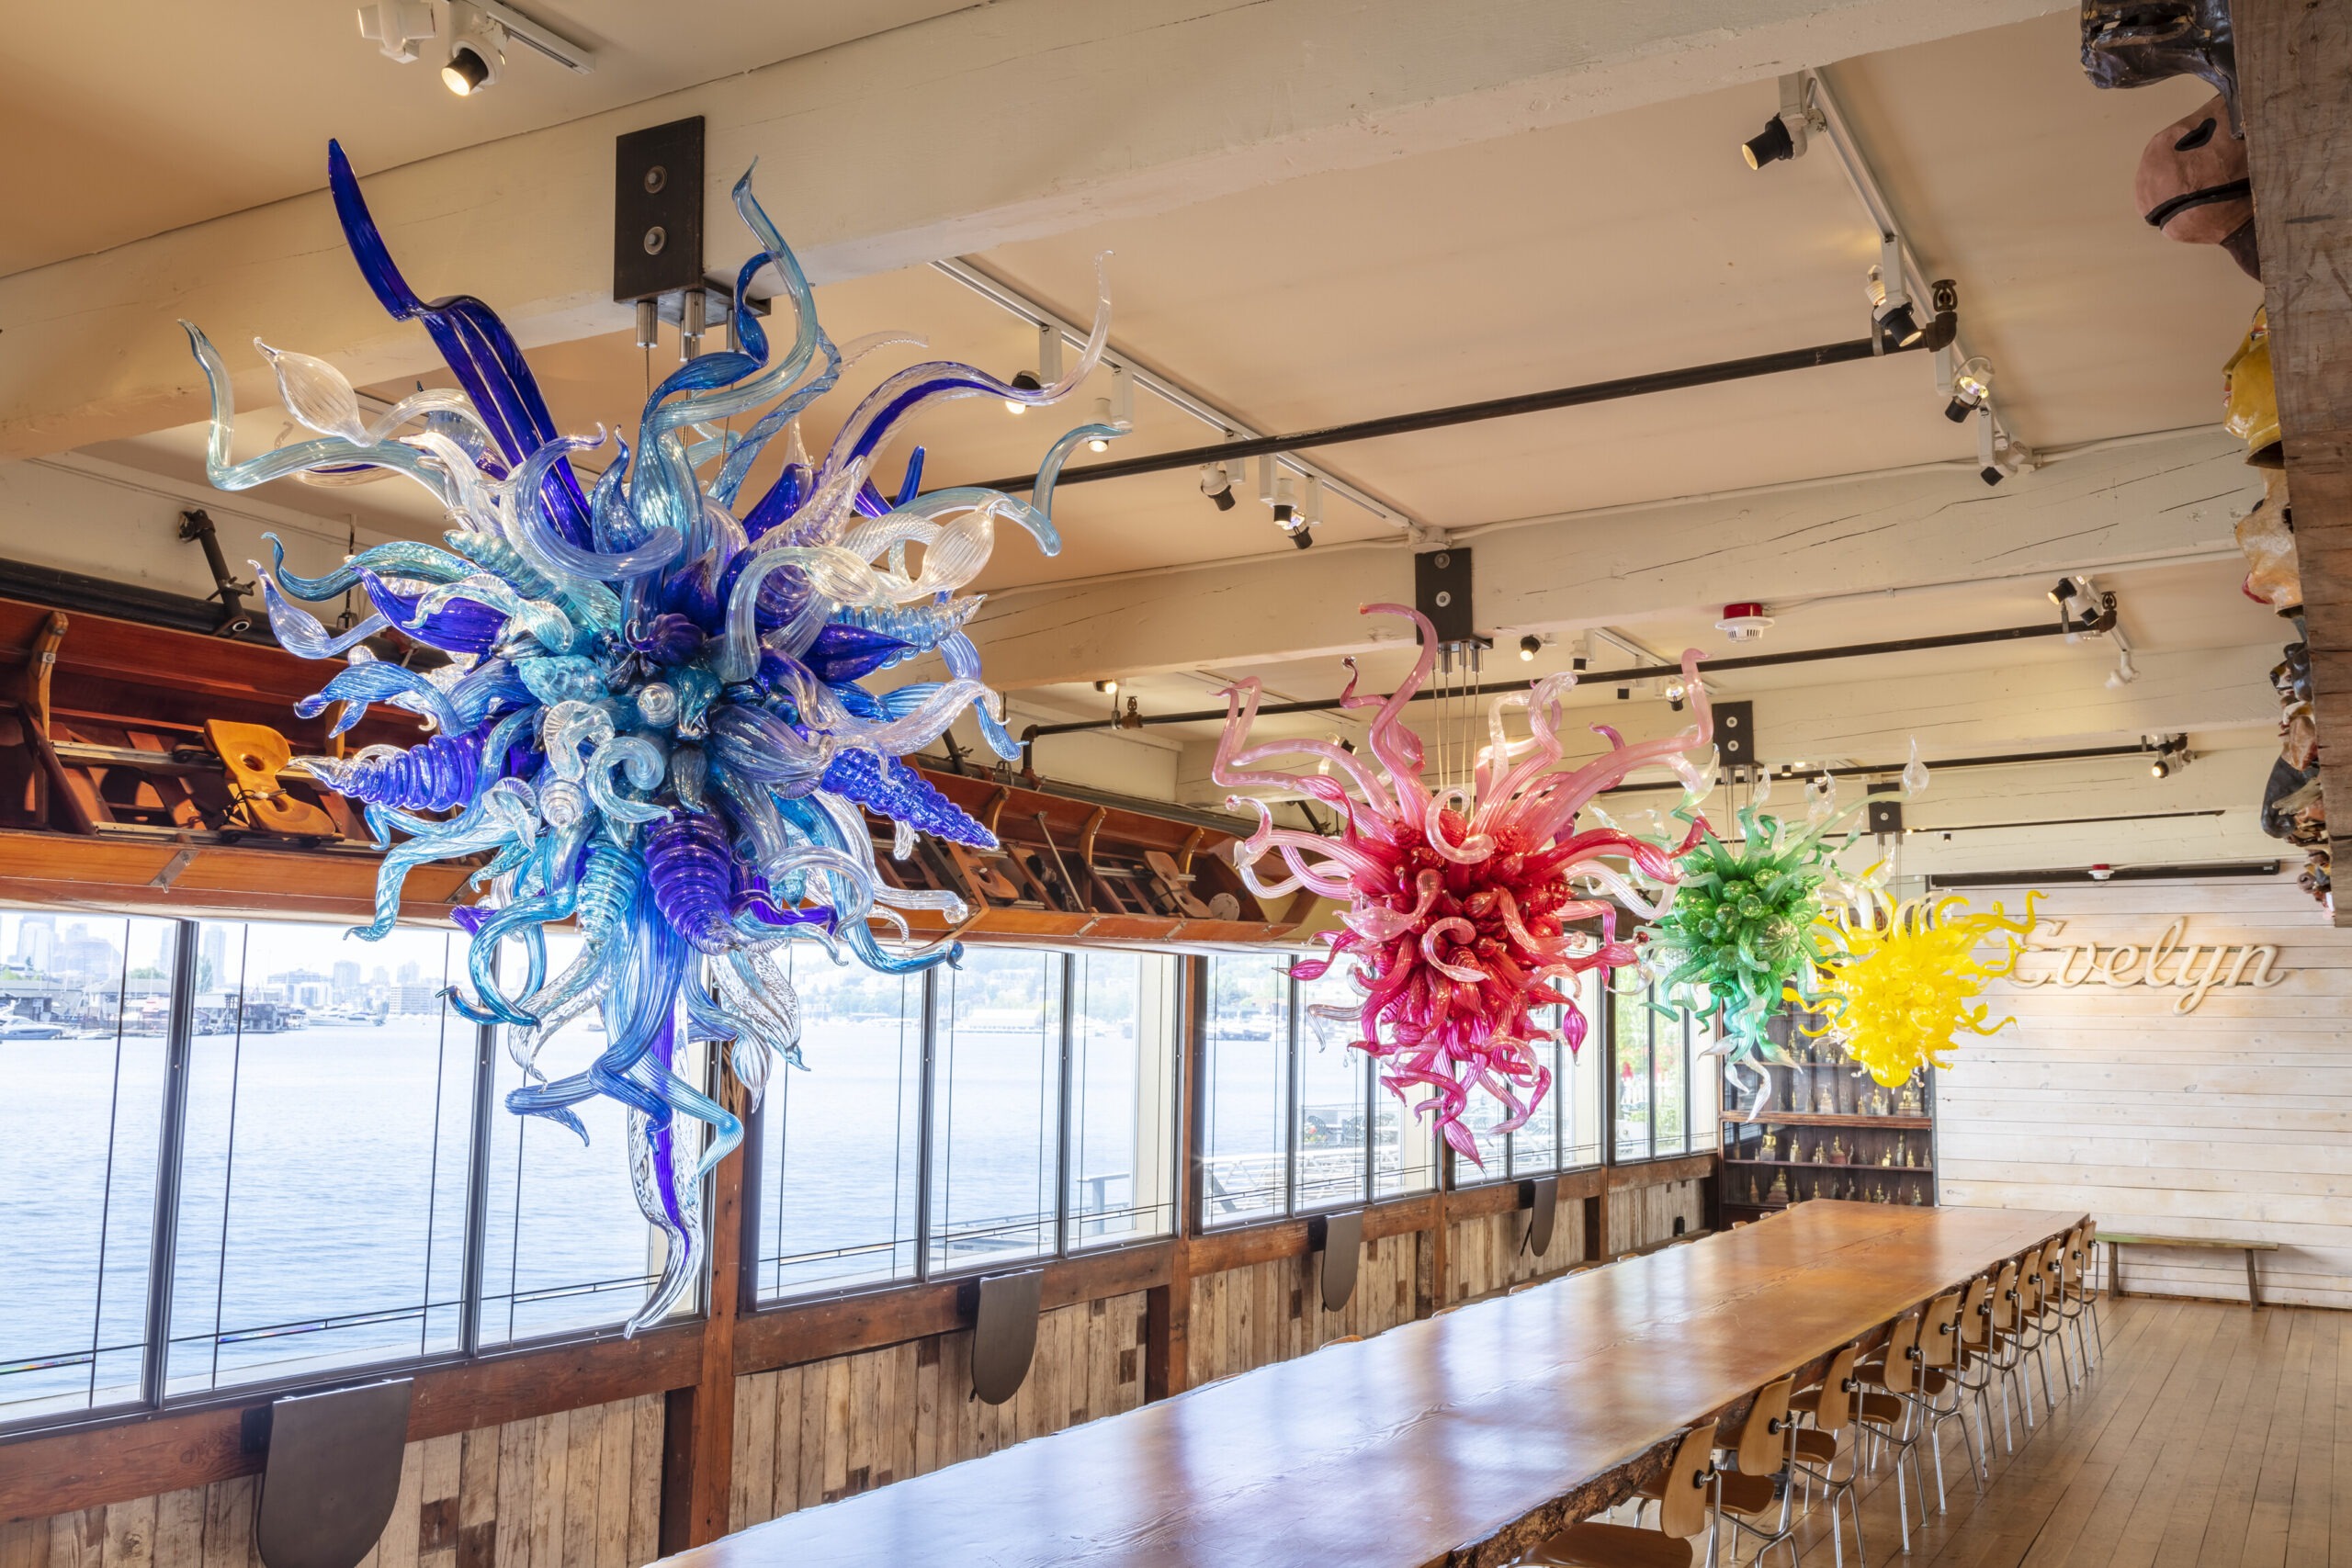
[{"x": 2194, "y": 969}]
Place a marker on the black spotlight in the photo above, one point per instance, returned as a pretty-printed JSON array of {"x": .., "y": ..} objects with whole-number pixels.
[
  {"x": 1900, "y": 328},
  {"x": 1991, "y": 475},
  {"x": 1768, "y": 145},
  {"x": 2062, "y": 590},
  {"x": 1303, "y": 538},
  {"x": 1957, "y": 410},
  {"x": 1528, "y": 647},
  {"x": 466, "y": 72},
  {"x": 1217, "y": 486}
]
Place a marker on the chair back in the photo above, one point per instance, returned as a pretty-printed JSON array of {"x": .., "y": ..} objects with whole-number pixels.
[
  {"x": 2005, "y": 1297},
  {"x": 1764, "y": 1436},
  {"x": 2029, "y": 1285},
  {"x": 1940, "y": 1332},
  {"x": 2076, "y": 1252},
  {"x": 1682, "y": 1502},
  {"x": 1902, "y": 1368},
  {"x": 1837, "y": 1406},
  {"x": 2053, "y": 1266},
  {"x": 1975, "y": 1319}
]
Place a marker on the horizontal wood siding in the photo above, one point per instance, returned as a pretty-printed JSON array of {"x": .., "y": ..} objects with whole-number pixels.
[
  {"x": 832, "y": 1428},
  {"x": 577, "y": 1489},
  {"x": 2232, "y": 1120}
]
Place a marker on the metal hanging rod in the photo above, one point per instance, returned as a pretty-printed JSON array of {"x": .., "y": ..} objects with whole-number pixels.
[
  {"x": 1884, "y": 770},
  {"x": 2091, "y": 626},
  {"x": 1472, "y": 413}
]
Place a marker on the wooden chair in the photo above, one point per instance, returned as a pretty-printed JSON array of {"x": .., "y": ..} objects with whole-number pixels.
[
  {"x": 1884, "y": 1408},
  {"x": 1830, "y": 1409},
  {"x": 2032, "y": 1328},
  {"x": 1759, "y": 1484},
  {"x": 2001, "y": 1352},
  {"x": 2072, "y": 1307},
  {"x": 2080, "y": 1266},
  {"x": 1938, "y": 1363},
  {"x": 1973, "y": 1355},
  {"x": 1684, "y": 1493}
]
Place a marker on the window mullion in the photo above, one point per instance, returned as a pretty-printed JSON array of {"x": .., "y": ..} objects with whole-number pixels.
[
  {"x": 1065, "y": 1100},
  {"x": 163, "y": 1254},
  {"x": 924, "y": 1106}
]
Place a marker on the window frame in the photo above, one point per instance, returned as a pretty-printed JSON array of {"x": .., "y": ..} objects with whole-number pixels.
[{"x": 1689, "y": 1023}]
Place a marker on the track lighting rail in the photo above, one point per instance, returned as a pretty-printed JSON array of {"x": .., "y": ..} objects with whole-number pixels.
[
  {"x": 2090, "y": 625},
  {"x": 1470, "y": 413}
]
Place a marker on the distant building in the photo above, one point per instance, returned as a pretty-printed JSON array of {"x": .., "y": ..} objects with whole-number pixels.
[
  {"x": 409, "y": 996},
  {"x": 36, "y": 943}
]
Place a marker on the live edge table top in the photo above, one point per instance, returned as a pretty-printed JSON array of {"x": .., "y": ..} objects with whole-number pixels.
[{"x": 1412, "y": 1447}]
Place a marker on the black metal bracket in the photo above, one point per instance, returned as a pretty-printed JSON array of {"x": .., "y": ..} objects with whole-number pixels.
[
  {"x": 657, "y": 210},
  {"x": 1442, "y": 591},
  {"x": 1734, "y": 733},
  {"x": 1539, "y": 1201},
  {"x": 332, "y": 1474},
  {"x": 236, "y": 619},
  {"x": 1338, "y": 1239},
  {"x": 1003, "y": 1312}
]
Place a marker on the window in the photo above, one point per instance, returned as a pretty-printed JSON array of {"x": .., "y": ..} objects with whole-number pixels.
[
  {"x": 1293, "y": 1117},
  {"x": 837, "y": 1146},
  {"x": 1665, "y": 1096},
  {"x": 1015, "y": 1107},
  {"x": 323, "y": 1169},
  {"x": 83, "y": 1001},
  {"x": 1245, "y": 1106},
  {"x": 1563, "y": 1130},
  {"x": 996, "y": 1097},
  {"x": 1123, "y": 1097}
]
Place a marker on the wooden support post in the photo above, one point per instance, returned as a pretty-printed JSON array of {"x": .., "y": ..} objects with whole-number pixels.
[
  {"x": 698, "y": 1445},
  {"x": 1168, "y": 1309},
  {"x": 2295, "y": 98}
]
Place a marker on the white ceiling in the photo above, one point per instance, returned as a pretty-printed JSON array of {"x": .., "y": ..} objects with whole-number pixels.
[
  {"x": 1631, "y": 242},
  {"x": 131, "y": 116}
]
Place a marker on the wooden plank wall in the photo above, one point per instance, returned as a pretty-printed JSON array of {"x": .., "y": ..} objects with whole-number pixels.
[
  {"x": 1263, "y": 1313},
  {"x": 577, "y": 1489},
  {"x": 1484, "y": 1254},
  {"x": 828, "y": 1430},
  {"x": 2232, "y": 1120},
  {"x": 1644, "y": 1216}
]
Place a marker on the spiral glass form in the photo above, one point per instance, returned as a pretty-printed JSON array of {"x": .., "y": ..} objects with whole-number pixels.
[
  {"x": 1461, "y": 897},
  {"x": 653, "y": 719}
]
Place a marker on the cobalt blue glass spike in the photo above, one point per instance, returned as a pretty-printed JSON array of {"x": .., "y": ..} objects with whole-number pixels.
[{"x": 653, "y": 721}]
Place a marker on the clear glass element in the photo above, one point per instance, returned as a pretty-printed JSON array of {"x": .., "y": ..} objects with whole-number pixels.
[
  {"x": 83, "y": 1001},
  {"x": 1330, "y": 1130},
  {"x": 1245, "y": 1100},
  {"x": 1535, "y": 1147},
  {"x": 1628, "y": 1032},
  {"x": 565, "y": 1249},
  {"x": 839, "y": 1144},
  {"x": 1706, "y": 1087},
  {"x": 996, "y": 1108},
  {"x": 1123, "y": 1097},
  {"x": 323, "y": 1176}
]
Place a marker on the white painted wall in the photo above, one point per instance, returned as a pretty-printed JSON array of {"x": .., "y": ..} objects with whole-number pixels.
[{"x": 2230, "y": 1120}]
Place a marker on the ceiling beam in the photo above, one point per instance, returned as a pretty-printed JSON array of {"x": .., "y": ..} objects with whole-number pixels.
[
  {"x": 2295, "y": 97},
  {"x": 2146, "y": 501},
  {"x": 994, "y": 124}
]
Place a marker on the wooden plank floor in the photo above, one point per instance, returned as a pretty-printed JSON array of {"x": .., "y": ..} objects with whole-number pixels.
[{"x": 2211, "y": 1437}]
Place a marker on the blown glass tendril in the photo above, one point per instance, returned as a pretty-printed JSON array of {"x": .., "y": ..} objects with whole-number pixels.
[
  {"x": 653, "y": 717},
  {"x": 1462, "y": 898},
  {"x": 1899, "y": 981}
]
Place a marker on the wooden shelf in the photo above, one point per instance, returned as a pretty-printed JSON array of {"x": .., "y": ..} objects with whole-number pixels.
[
  {"x": 1838, "y": 1119},
  {"x": 1816, "y": 1164}
]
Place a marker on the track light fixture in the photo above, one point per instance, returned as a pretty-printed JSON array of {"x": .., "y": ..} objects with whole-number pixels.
[
  {"x": 1108, "y": 688},
  {"x": 1102, "y": 416},
  {"x": 1217, "y": 482},
  {"x": 1528, "y": 647},
  {"x": 476, "y": 50},
  {"x": 1026, "y": 380},
  {"x": 2172, "y": 754},
  {"x": 1785, "y": 134},
  {"x": 1972, "y": 385},
  {"x": 396, "y": 26}
]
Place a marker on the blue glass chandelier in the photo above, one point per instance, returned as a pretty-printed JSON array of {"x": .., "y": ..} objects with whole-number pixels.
[{"x": 653, "y": 720}]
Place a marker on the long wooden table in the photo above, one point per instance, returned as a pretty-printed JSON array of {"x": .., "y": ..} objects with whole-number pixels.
[{"x": 1453, "y": 1439}]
